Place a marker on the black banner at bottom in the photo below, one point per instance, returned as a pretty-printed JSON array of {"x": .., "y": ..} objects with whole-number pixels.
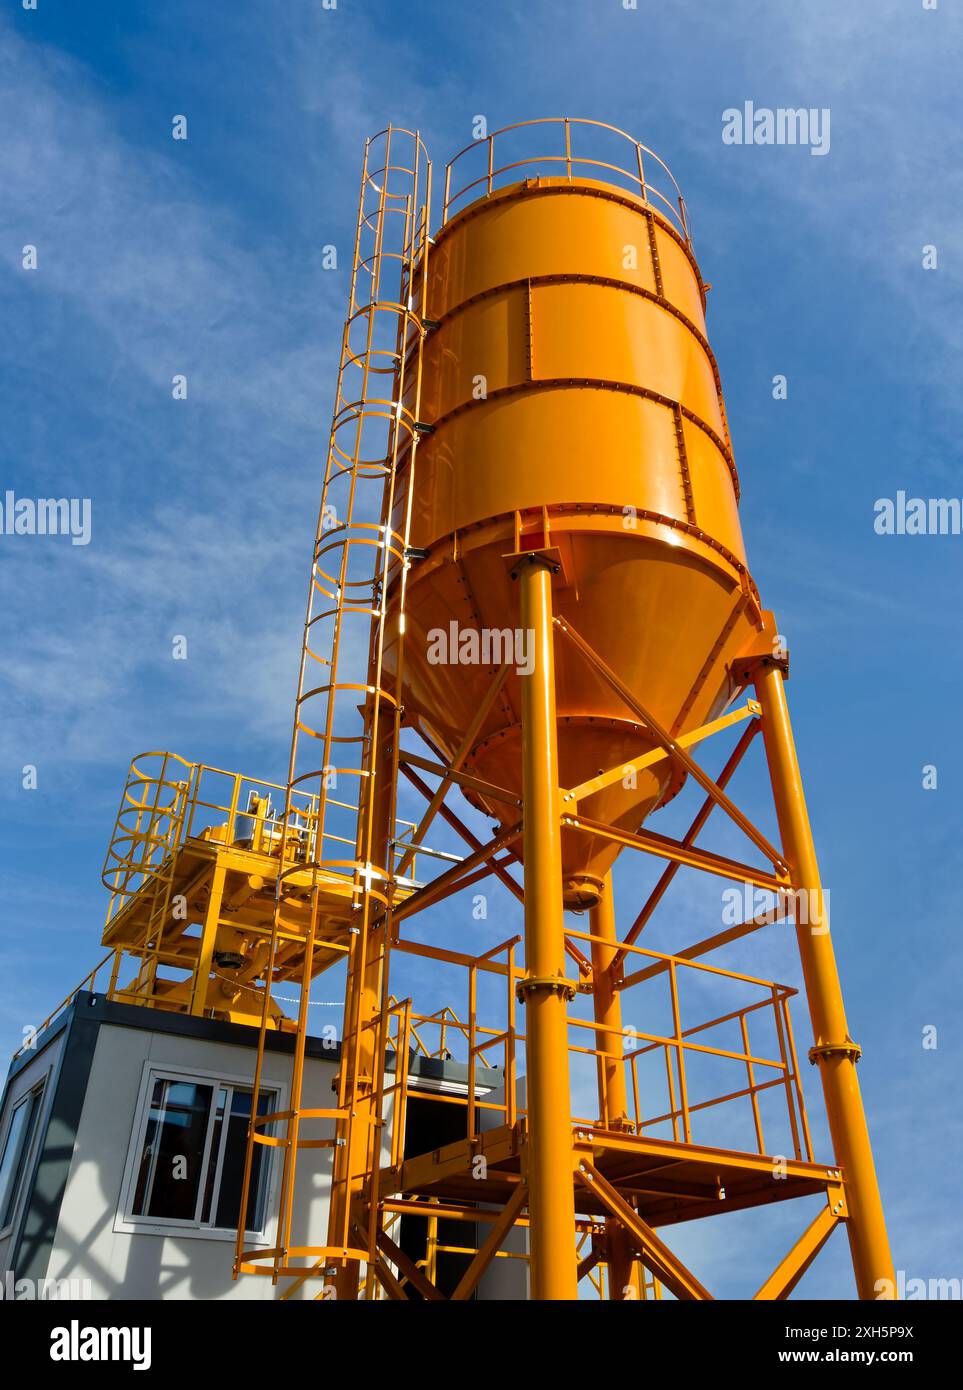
[{"x": 177, "y": 1338}]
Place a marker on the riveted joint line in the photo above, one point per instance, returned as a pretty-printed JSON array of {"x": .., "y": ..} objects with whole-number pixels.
[
  {"x": 684, "y": 466},
  {"x": 654, "y": 250}
]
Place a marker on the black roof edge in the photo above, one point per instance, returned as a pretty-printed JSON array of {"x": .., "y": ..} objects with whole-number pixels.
[{"x": 97, "y": 1007}]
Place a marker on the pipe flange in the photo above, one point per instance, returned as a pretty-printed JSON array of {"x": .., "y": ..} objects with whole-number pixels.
[
  {"x": 558, "y": 984},
  {"x": 849, "y": 1049}
]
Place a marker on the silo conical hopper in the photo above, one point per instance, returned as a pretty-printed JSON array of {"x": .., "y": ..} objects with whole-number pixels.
[{"x": 571, "y": 403}]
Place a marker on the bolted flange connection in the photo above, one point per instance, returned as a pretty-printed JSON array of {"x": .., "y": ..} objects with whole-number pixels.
[
  {"x": 555, "y": 983},
  {"x": 534, "y": 557},
  {"x": 844, "y": 1049}
]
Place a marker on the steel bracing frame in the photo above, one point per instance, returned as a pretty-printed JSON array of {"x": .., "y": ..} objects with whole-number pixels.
[
  {"x": 590, "y": 1192},
  {"x": 612, "y": 1182},
  {"x": 571, "y": 1180}
]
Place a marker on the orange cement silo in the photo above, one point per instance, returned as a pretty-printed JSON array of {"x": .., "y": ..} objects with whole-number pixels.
[
  {"x": 574, "y": 407},
  {"x": 529, "y": 552}
]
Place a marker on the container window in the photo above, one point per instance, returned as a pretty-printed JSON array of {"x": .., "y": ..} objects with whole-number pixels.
[
  {"x": 190, "y": 1161},
  {"x": 16, "y": 1150}
]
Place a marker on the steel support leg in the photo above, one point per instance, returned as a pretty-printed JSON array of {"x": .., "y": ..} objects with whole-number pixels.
[
  {"x": 360, "y": 1060},
  {"x": 205, "y": 956},
  {"x": 550, "y": 1158},
  {"x": 834, "y": 1051},
  {"x": 625, "y": 1274}
]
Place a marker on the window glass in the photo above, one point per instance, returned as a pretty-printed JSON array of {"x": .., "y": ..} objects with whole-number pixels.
[
  {"x": 191, "y": 1165},
  {"x": 216, "y": 1141},
  {"x": 229, "y": 1201},
  {"x": 16, "y": 1149},
  {"x": 169, "y": 1177}
]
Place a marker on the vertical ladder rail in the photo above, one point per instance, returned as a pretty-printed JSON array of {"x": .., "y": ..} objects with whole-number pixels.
[{"x": 348, "y": 715}]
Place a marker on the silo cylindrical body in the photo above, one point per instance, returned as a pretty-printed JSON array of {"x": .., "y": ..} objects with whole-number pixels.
[{"x": 573, "y": 404}]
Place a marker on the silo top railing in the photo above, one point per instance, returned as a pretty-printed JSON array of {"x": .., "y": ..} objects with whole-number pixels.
[
  {"x": 642, "y": 171},
  {"x": 167, "y": 801}
]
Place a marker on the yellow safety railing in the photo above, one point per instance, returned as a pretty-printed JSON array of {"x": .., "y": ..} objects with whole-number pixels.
[
  {"x": 167, "y": 800},
  {"x": 578, "y": 152},
  {"x": 675, "y": 1047},
  {"x": 470, "y": 1041},
  {"x": 466, "y": 1038},
  {"x": 446, "y": 1022}
]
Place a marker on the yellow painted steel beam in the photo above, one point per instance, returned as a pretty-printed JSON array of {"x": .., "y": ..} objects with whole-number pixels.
[
  {"x": 751, "y": 709},
  {"x": 664, "y": 848},
  {"x": 496, "y": 1146},
  {"x": 468, "y": 1212},
  {"x": 202, "y": 970},
  {"x": 388, "y": 1282},
  {"x": 704, "y": 948},
  {"x": 461, "y": 754},
  {"x": 834, "y": 1051},
  {"x": 689, "y": 838},
  {"x": 462, "y": 779},
  {"x": 258, "y": 1259},
  {"x": 445, "y": 1211},
  {"x": 361, "y": 1077},
  {"x": 441, "y": 953},
  {"x": 549, "y": 1158},
  {"x": 491, "y": 1245},
  {"x": 673, "y": 746},
  {"x": 655, "y": 1253},
  {"x": 793, "y": 1266},
  {"x": 448, "y": 881},
  {"x": 589, "y": 1141},
  {"x": 447, "y": 815},
  {"x": 625, "y": 1279},
  {"x": 415, "y": 1276}
]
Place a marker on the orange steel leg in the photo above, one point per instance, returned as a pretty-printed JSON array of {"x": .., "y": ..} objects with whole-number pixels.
[
  {"x": 834, "y": 1050},
  {"x": 625, "y": 1273},
  {"x": 354, "y": 1159},
  {"x": 362, "y": 1046},
  {"x": 550, "y": 1156}
]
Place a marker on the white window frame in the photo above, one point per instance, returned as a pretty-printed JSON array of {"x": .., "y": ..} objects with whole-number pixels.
[
  {"x": 30, "y": 1153},
  {"x": 125, "y": 1222}
]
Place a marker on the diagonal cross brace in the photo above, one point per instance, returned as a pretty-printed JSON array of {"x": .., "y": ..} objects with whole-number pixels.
[
  {"x": 492, "y": 1245},
  {"x": 791, "y": 1269},
  {"x": 688, "y": 840},
  {"x": 461, "y": 753},
  {"x": 415, "y": 1276},
  {"x": 672, "y": 746},
  {"x": 654, "y": 1254}
]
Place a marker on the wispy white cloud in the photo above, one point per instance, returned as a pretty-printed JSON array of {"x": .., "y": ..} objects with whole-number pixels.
[{"x": 140, "y": 270}]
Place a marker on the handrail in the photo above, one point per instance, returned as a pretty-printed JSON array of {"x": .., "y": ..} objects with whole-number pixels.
[
  {"x": 774, "y": 996},
  {"x": 159, "y": 811},
  {"x": 762, "y": 1072},
  {"x": 669, "y": 203}
]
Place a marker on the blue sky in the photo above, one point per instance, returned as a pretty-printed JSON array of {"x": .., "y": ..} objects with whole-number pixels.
[{"x": 157, "y": 257}]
